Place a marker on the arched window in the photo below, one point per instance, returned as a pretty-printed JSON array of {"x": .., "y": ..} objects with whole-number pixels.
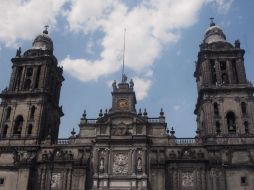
[
  {"x": 8, "y": 113},
  {"x": 27, "y": 84},
  {"x": 32, "y": 112},
  {"x": 30, "y": 129},
  {"x": 231, "y": 122},
  {"x": 224, "y": 78},
  {"x": 243, "y": 108},
  {"x": 5, "y": 129},
  {"x": 216, "y": 109},
  {"x": 234, "y": 70},
  {"x": 29, "y": 72},
  {"x": 18, "y": 125},
  {"x": 246, "y": 127},
  {"x": 213, "y": 72},
  {"x": 218, "y": 127}
]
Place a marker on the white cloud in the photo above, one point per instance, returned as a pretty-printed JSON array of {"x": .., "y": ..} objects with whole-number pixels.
[
  {"x": 222, "y": 6},
  {"x": 141, "y": 87},
  {"x": 150, "y": 25},
  {"x": 23, "y": 19},
  {"x": 177, "y": 107}
]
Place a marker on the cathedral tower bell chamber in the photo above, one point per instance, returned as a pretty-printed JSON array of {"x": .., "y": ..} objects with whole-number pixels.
[
  {"x": 30, "y": 104},
  {"x": 225, "y": 97}
]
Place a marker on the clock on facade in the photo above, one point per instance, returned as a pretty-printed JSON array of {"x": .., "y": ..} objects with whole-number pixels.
[{"x": 123, "y": 104}]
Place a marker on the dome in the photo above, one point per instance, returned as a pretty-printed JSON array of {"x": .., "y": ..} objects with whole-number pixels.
[
  {"x": 214, "y": 34},
  {"x": 43, "y": 42}
]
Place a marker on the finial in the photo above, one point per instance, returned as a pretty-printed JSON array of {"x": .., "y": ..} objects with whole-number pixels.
[
  {"x": 45, "y": 31},
  {"x": 100, "y": 114},
  {"x": 237, "y": 44},
  {"x": 172, "y": 132},
  {"x": 212, "y": 21},
  {"x": 145, "y": 113},
  {"x": 84, "y": 115},
  {"x": 106, "y": 112},
  {"x": 73, "y": 132},
  {"x": 139, "y": 112},
  {"x": 161, "y": 112}
]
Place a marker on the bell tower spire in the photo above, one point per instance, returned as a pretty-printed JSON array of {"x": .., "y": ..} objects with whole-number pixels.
[{"x": 225, "y": 97}]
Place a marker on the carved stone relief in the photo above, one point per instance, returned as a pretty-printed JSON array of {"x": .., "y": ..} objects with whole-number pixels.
[
  {"x": 188, "y": 179},
  {"x": 120, "y": 163},
  {"x": 122, "y": 129},
  {"x": 55, "y": 180}
]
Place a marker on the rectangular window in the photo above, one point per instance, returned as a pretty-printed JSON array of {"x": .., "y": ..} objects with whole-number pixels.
[
  {"x": 213, "y": 72},
  {"x": 2, "y": 179},
  {"x": 234, "y": 71},
  {"x": 223, "y": 70},
  {"x": 244, "y": 181}
]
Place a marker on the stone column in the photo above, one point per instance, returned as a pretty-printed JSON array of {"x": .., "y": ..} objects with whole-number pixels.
[
  {"x": 218, "y": 72},
  {"x": 133, "y": 151},
  {"x": 95, "y": 161},
  {"x": 43, "y": 177},
  {"x": 106, "y": 161},
  {"x": 230, "y": 72},
  {"x": 110, "y": 161},
  {"x": 144, "y": 161},
  {"x": 68, "y": 184}
]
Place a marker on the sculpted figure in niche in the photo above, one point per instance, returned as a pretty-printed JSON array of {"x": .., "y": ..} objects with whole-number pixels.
[
  {"x": 139, "y": 164},
  {"x": 101, "y": 166}
]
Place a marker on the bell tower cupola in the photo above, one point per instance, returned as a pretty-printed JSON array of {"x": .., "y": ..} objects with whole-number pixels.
[
  {"x": 30, "y": 104},
  {"x": 225, "y": 96}
]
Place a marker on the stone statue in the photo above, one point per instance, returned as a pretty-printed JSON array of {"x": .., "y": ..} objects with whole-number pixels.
[
  {"x": 18, "y": 53},
  {"x": 124, "y": 78},
  {"x": 139, "y": 164},
  {"x": 114, "y": 85},
  {"x": 131, "y": 83},
  {"x": 101, "y": 166}
]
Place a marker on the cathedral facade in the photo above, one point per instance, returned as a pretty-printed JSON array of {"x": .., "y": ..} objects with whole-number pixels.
[{"x": 124, "y": 148}]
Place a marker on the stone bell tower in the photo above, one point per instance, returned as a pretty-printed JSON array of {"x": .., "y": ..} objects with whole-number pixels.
[
  {"x": 225, "y": 96},
  {"x": 30, "y": 104}
]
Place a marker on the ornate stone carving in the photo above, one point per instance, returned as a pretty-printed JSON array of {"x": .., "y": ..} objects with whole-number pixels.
[
  {"x": 122, "y": 129},
  {"x": 139, "y": 165},
  {"x": 120, "y": 163},
  {"x": 101, "y": 166},
  {"x": 187, "y": 179},
  {"x": 23, "y": 156},
  {"x": 55, "y": 180}
]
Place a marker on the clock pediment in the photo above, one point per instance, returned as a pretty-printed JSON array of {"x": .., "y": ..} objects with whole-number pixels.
[{"x": 123, "y": 97}]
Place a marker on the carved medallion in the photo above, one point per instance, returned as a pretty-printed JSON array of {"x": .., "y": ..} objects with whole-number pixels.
[
  {"x": 187, "y": 179},
  {"x": 120, "y": 163}
]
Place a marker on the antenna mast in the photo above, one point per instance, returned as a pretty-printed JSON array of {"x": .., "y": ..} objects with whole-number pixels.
[{"x": 124, "y": 77}]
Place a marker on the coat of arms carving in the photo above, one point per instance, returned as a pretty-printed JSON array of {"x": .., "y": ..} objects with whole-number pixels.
[
  {"x": 120, "y": 163},
  {"x": 188, "y": 179}
]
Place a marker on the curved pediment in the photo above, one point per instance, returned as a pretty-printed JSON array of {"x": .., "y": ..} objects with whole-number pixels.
[{"x": 121, "y": 117}]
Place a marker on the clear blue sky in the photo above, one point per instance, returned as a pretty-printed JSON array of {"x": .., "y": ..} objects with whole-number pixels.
[{"x": 162, "y": 42}]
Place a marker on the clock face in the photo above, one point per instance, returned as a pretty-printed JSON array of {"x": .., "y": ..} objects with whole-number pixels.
[{"x": 123, "y": 104}]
